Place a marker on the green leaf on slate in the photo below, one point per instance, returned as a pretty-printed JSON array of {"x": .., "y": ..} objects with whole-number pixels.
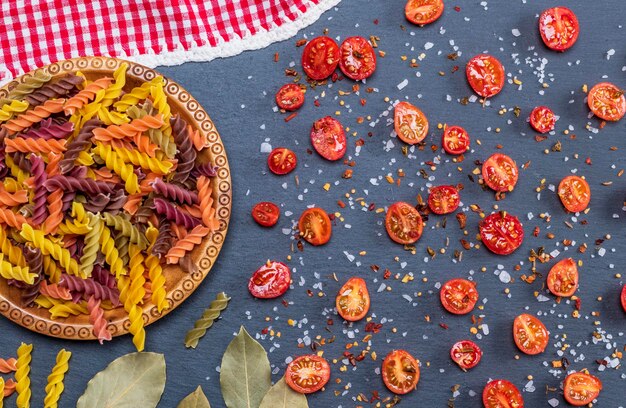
[
  {"x": 245, "y": 374},
  {"x": 196, "y": 399},
  {"x": 133, "y": 380},
  {"x": 282, "y": 396}
]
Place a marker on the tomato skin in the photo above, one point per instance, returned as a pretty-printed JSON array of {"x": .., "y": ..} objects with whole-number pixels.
[
  {"x": 403, "y": 223},
  {"x": 328, "y": 138},
  {"x": 353, "y": 300},
  {"x": 315, "y": 226},
  {"x": 455, "y": 140},
  {"x": 574, "y": 193},
  {"x": 358, "y": 59},
  {"x": 443, "y": 199},
  {"x": 563, "y": 278},
  {"x": 423, "y": 12},
  {"x": 542, "y": 119},
  {"x": 458, "y": 296},
  {"x": 400, "y": 371},
  {"x": 466, "y": 354},
  {"x": 502, "y": 394},
  {"x": 307, "y": 374},
  {"x": 559, "y": 28},
  {"x": 282, "y": 161},
  {"x": 485, "y": 75},
  {"x": 501, "y": 233},
  {"x": 624, "y": 298},
  {"x": 320, "y": 58},
  {"x": 290, "y": 97},
  {"x": 270, "y": 281},
  {"x": 410, "y": 123},
  {"x": 607, "y": 101},
  {"x": 266, "y": 214},
  {"x": 530, "y": 334},
  {"x": 581, "y": 389},
  {"x": 500, "y": 172}
]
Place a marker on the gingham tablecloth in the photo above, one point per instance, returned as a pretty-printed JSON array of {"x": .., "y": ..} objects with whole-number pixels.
[{"x": 153, "y": 32}]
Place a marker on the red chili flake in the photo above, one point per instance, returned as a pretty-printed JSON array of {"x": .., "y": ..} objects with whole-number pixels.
[
  {"x": 341, "y": 204},
  {"x": 375, "y": 397},
  {"x": 443, "y": 326},
  {"x": 371, "y": 207},
  {"x": 387, "y": 274},
  {"x": 359, "y": 142},
  {"x": 455, "y": 68},
  {"x": 588, "y": 160},
  {"x": 301, "y": 42},
  {"x": 309, "y": 292},
  {"x": 363, "y": 101},
  {"x": 539, "y": 138},
  {"x": 265, "y": 331},
  {"x": 375, "y": 268},
  {"x": 293, "y": 115},
  {"x": 376, "y": 21},
  {"x": 291, "y": 72},
  {"x": 331, "y": 216},
  {"x": 457, "y": 8},
  {"x": 577, "y": 304},
  {"x": 284, "y": 302},
  {"x": 276, "y": 57},
  {"x": 372, "y": 327},
  {"x": 602, "y": 124},
  {"x": 536, "y": 232},
  {"x": 334, "y": 77},
  {"x": 316, "y": 103},
  {"x": 330, "y": 322}
]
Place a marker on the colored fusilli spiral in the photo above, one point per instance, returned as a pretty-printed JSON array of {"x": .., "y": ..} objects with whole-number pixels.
[
  {"x": 186, "y": 244},
  {"x": 22, "y": 375},
  {"x": 144, "y": 161},
  {"x": 155, "y": 272},
  {"x": 88, "y": 93},
  {"x": 127, "y": 130},
  {"x": 186, "y": 152},
  {"x": 8, "y": 110},
  {"x": 47, "y": 247},
  {"x": 205, "y": 322},
  {"x": 136, "y": 95},
  {"x": 50, "y": 129},
  {"x": 206, "y": 203},
  {"x": 30, "y": 84},
  {"x": 116, "y": 164},
  {"x": 174, "y": 214},
  {"x": 97, "y": 320},
  {"x": 107, "y": 247},
  {"x": 20, "y": 273},
  {"x": 54, "y": 387},
  {"x": 53, "y": 90},
  {"x": 29, "y": 118}
]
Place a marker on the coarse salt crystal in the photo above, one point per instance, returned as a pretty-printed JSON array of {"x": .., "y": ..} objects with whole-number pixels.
[
  {"x": 428, "y": 45},
  {"x": 516, "y": 32},
  {"x": 403, "y": 84}
]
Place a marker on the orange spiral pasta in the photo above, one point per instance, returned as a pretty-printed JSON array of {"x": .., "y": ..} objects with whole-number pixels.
[
  {"x": 54, "y": 291},
  {"x": 55, "y": 211},
  {"x": 97, "y": 320},
  {"x": 206, "y": 203},
  {"x": 7, "y": 365},
  {"x": 199, "y": 140},
  {"x": 11, "y": 200},
  {"x": 128, "y": 130},
  {"x": 12, "y": 219},
  {"x": 29, "y": 145},
  {"x": 9, "y": 387},
  {"x": 144, "y": 145},
  {"x": 52, "y": 169},
  {"x": 189, "y": 242},
  {"x": 80, "y": 99},
  {"x": 29, "y": 118}
]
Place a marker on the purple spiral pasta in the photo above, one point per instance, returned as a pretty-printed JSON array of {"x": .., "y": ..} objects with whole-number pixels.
[
  {"x": 67, "y": 199},
  {"x": 53, "y": 90},
  {"x": 22, "y": 161},
  {"x": 164, "y": 240},
  {"x": 174, "y": 192},
  {"x": 205, "y": 169},
  {"x": 76, "y": 250},
  {"x": 186, "y": 151},
  {"x": 34, "y": 260},
  {"x": 112, "y": 203},
  {"x": 174, "y": 214},
  {"x": 40, "y": 210},
  {"x": 145, "y": 211},
  {"x": 103, "y": 276},
  {"x": 89, "y": 186},
  {"x": 49, "y": 129},
  {"x": 89, "y": 287},
  {"x": 81, "y": 142}
]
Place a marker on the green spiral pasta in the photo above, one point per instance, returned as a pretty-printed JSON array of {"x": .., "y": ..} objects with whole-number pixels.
[
  {"x": 55, "y": 387},
  {"x": 121, "y": 243},
  {"x": 206, "y": 321},
  {"x": 92, "y": 244},
  {"x": 31, "y": 83},
  {"x": 124, "y": 227}
]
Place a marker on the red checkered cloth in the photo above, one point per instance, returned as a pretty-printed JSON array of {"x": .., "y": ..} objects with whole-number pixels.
[{"x": 34, "y": 33}]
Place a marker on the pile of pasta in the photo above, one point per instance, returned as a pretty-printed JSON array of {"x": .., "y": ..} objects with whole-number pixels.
[{"x": 100, "y": 188}]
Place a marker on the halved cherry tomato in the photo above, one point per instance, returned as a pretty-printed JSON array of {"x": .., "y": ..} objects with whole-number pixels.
[
  {"x": 270, "y": 281},
  {"x": 607, "y": 101},
  {"x": 458, "y": 296},
  {"x": 307, "y": 374},
  {"x": 315, "y": 226},
  {"x": 466, "y": 354},
  {"x": 502, "y": 394},
  {"x": 485, "y": 75},
  {"x": 403, "y": 223},
  {"x": 624, "y": 298},
  {"x": 422, "y": 12},
  {"x": 266, "y": 214},
  {"x": 320, "y": 58},
  {"x": 353, "y": 300},
  {"x": 542, "y": 119},
  {"x": 358, "y": 59},
  {"x": 581, "y": 389},
  {"x": 282, "y": 161},
  {"x": 290, "y": 97},
  {"x": 456, "y": 140},
  {"x": 500, "y": 172},
  {"x": 530, "y": 335},
  {"x": 410, "y": 123},
  {"x": 328, "y": 138},
  {"x": 502, "y": 233},
  {"x": 559, "y": 28},
  {"x": 574, "y": 193},
  {"x": 443, "y": 199},
  {"x": 401, "y": 372},
  {"x": 563, "y": 278}
]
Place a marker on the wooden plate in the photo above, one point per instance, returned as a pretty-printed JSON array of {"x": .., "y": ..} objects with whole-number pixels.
[{"x": 179, "y": 284}]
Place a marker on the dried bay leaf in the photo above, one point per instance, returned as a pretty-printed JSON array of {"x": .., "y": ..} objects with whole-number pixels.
[
  {"x": 196, "y": 399},
  {"x": 245, "y": 373},
  {"x": 281, "y": 396},
  {"x": 133, "y": 380}
]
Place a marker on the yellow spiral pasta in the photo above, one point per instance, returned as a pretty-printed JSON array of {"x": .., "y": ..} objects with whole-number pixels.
[
  {"x": 111, "y": 255},
  {"x": 47, "y": 247},
  {"x": 20, "y": 273},
  {"x": 15, "y": 170},
  {"x": 144, "y": 161},
  {"x": 88, "y": 93},
  {"x": 29, "y": 118},
  {"x": 132, "y": 293},
  {"x": 55, "y": 387},
  {"x": 28, "y": 145},
  {"x": 73, "y": 228},
  {"x": 115, "y": 163},
  {"x": 22, "y": 375},
  {"x": 159, "y": 100},
  {"x": 52, "y": 269},
  {"x": 7, "y": 111},
  {"x": 136, "y": 94},
  {"x": 11, "y": 185},
  {"x": 115, "y": 90},
  {"x": 128, "y": 130},
  {"x": 67, "y": 308},
  {"x": 111, "y": 117},
  {"x": 155, "y": 272},
  {"x": 1, "y": 392},
  {"x": 13, "y": 253},
  {"x": 79, "y": 213}
]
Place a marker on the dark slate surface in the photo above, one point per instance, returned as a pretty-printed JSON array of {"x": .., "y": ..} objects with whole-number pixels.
[{"x": 238, "y": 94}]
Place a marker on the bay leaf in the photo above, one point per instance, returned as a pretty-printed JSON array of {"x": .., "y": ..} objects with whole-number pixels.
[
  {"x": 282, "y": 396},
  {"x": 133, "y": 380},
  {"x": 245, "y": 373},
  {"x": 196, "y": 399}
]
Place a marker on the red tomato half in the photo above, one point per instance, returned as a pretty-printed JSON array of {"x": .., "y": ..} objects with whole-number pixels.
[
  {"x": 358, "y": 59},
  {"x": 270, "y": 281},
  {"x": 502, "y": 394},
  {"x": 328, "y": 138},
  {"x": 607, "y": 101},
  {"x": 574, "y": 193},
  {"x": 456, "y": 140},
  {"x": 320, "y": 58},
  {"x": 624, "y": 298},
  {"x": 563, "y": 278},
  {"x": 485, "y": 75},
  {"x": 401, "y": 372},
  {"x": 559, "y": 28},
  {"x": 542, "y": 119},
  {"x": 410, "y": 123},
  {"x": 500, "y": 172},
  {"x": 422, "y": 12},
  {"x": 530, "y": 335},
  {"x": 443, "y": 199},
  {"x": 403, "y": 223},
  {"x": 307, "y": 374},
  {"x": 266, "y": 214},
  {"x": 458, "y": 296},
  {"x": 315, "y": 226},
  {"x": 282, "y": 161},
  {"x": 353, "y": 300},
  {"x": 502, "y": 233},
  {"x": 290, "y": 97},
  {"x": 466, "y": 354},
  {"x": 581, "y": 389}
]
